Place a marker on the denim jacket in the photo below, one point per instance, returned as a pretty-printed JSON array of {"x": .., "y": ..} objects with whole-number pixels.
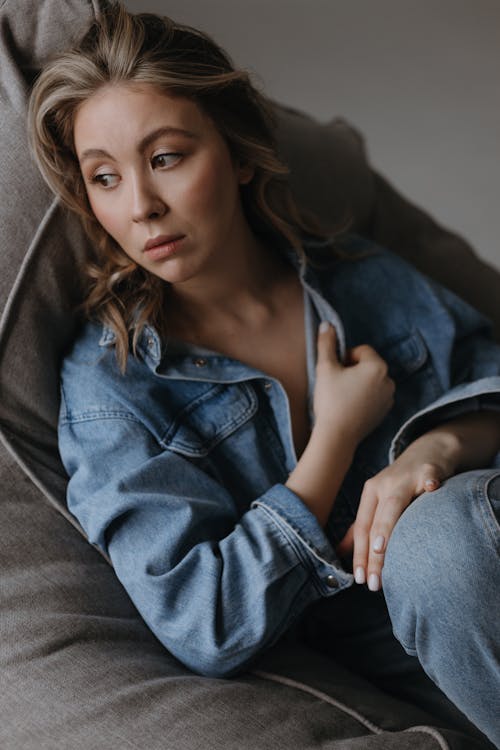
[{"x": 178, "y": 467}]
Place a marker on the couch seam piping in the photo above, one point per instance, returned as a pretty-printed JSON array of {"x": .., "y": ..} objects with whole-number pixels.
[{"x": 289, "y": 682}]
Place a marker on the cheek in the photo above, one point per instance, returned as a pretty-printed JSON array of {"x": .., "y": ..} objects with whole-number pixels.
[
  {"x": 107, "y": 217},
  {"x": 212, "y": 190}
]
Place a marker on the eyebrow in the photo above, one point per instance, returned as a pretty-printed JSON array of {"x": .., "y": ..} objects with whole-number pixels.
[{"x": 144, "y": 143}]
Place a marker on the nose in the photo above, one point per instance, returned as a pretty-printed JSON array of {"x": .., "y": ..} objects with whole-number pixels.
[{"x": 147, "y": 204}]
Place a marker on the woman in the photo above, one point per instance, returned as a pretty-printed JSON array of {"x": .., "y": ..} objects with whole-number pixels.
[{"x": 251, "y": 408}]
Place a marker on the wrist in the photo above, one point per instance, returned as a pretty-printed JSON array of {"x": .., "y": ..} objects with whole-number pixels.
[
  {"x": 441, "y": 446},
  {"x": 320, "y": 471},
  {"x": 466, "y": 442},
  {"x": 322, "y": 432}
]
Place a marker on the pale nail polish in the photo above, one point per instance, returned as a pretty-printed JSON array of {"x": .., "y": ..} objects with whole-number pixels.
[
  {"x": 324, "y": 326},
  {"x": 373, "y": 582},
  {"x": 378, "y": 544},
  {"x": 359, "y": 575}
]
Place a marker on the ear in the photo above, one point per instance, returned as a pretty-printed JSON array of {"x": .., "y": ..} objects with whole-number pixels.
[{"x": 245, "y": 173}]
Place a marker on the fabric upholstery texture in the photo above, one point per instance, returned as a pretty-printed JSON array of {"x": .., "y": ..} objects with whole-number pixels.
[{"x": 79, "y": 667}]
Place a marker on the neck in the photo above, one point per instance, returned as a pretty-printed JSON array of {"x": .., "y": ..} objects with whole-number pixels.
[{"x": 237, "y": 291}]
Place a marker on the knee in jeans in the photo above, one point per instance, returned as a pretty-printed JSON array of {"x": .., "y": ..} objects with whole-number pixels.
[
  {"x": 410, "y": 551},
  {"x": 414, "y": 576},
  {"x": 437, "y": 547}
]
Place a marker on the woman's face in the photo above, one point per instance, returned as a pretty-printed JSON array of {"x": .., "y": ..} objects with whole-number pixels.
[{"x": 156, "y": 168}]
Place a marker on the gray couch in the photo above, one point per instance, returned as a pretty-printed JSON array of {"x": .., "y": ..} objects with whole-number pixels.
[{"x": 79, "y": 668}]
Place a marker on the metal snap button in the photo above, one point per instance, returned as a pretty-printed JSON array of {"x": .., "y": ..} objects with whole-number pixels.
[
  {"x": 150, "y": 342},
  {"x": 331, "y": 582},
  {"x": 200, "y": 362}
]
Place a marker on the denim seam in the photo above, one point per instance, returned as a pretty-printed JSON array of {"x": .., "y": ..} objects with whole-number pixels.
[
  {"x": 486, "y": 512},
  {"x": 410, "y": 650},
  {"x": 295, "y": 537},
  {"x": 291, "y": 539},
  {"x": 189, "y": 408},
  {"x": 295, "y": 531},
  {"x": 92, "y": 416},
  {"x": 400, "y": 439},
  {"x": 418, "y": 357},
  {"x": 231, "y": 426},
  {"x": 278, "y": 527}
]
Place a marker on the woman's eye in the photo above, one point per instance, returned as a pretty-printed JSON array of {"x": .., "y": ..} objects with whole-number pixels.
[
  {"x": 105, "y": 180},
  {"x": 165, "y": 160}
]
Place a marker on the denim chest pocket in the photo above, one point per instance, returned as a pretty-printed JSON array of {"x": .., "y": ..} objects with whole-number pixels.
[
  {"x": 405, "y": 355},
  {"x": 212, "y": 417}
]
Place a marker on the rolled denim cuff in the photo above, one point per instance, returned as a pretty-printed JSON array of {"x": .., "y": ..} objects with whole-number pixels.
[
  {"x": 286, "y": 510},
  {"x": 481, "y": 395}
]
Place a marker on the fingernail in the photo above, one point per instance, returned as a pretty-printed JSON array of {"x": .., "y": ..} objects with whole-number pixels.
[
  {"x": 324, "y": 326},
  {"x": 378, "y": 544},
  {"x": 373, "y": 582},
  {"x": 359, "y": 575},
  {"x": 430, "y": 483}
]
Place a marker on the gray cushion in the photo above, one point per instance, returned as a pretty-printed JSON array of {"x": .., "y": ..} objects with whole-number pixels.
[{"x": 79, "y": 667}]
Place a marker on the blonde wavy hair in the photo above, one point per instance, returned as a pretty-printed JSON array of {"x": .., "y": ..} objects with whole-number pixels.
[{"x": 144, "y": 48}]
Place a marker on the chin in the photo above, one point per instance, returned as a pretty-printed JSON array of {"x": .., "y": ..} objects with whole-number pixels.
[{"x": 173, "y": 277}]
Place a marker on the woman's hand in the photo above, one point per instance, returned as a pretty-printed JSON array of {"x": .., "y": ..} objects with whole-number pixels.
[
  {"x": 349, "y": 401},
  {"x": 467, "y": 442},
  {"x": 352, "y": 397}
]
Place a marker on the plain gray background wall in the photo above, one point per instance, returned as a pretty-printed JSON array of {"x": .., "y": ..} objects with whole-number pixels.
[{"x": 419, "y": 78}]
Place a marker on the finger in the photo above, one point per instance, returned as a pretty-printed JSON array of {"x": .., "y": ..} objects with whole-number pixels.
[
  {"x": 365, "y": 352},
  {"x": 431, "y": 484},
  {"x": 362, "y": 527},
  {"x": 357, "y": 353},
  {"x": 327, "y": 343},
  {"x": 349, "y": 359},
  {"x": 429, "y": 479},
  {"x": 389, "y": 510},
  {"x": 346, "y": 544}
]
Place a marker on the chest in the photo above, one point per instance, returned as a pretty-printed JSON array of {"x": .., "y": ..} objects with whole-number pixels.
[
  {"x": 278, "y": 350},
  {"x": 281, "y": 354}
]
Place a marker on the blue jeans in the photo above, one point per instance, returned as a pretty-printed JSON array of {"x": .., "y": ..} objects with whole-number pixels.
[{"x": 440, "y": 598}]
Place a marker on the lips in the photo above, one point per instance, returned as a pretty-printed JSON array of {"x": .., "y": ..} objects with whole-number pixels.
[
  {"x": 162, "y": 247},
  {"x": 161, "y": 239}
]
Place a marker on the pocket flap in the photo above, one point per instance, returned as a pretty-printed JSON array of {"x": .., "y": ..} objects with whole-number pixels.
[
  {"x": 404, "y": 355},
  {"x": 209, "y": 419}
]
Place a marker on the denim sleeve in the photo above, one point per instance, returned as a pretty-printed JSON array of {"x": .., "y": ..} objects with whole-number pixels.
[
  {"x": 466, "y": 359},
  {"x": 215, "y": 587}
]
